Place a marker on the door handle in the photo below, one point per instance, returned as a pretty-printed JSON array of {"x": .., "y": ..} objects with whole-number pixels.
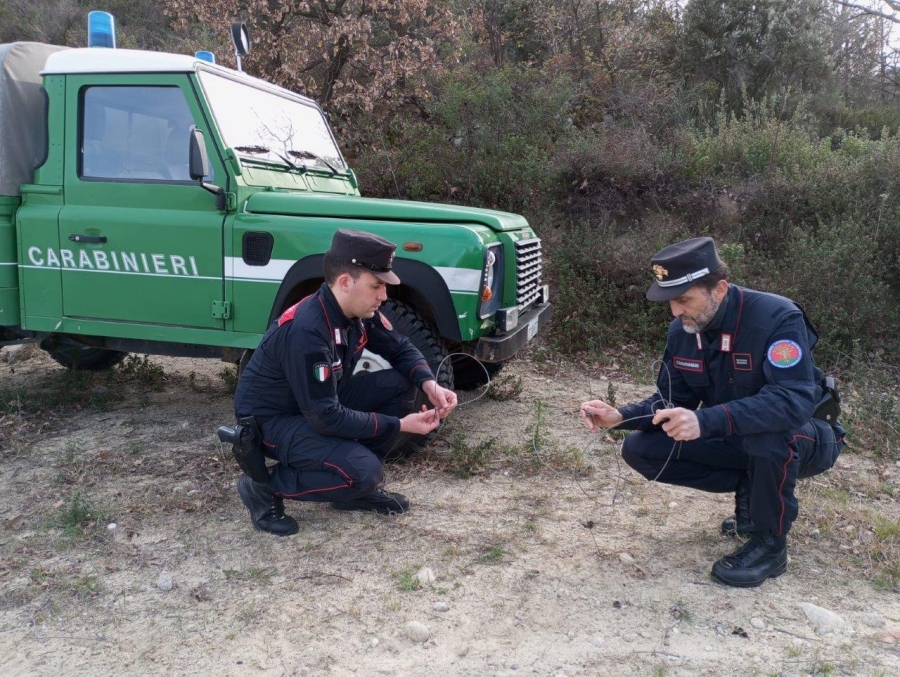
[{"x": 90, "y": 239}]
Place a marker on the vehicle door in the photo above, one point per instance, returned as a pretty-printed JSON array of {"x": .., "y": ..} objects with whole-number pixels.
[{"x": 140, "y": 242}]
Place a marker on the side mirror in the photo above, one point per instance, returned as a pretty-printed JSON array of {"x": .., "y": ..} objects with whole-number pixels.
[
  {"x": 199, "y": 168},
  {"x": 199, "y": 159}
]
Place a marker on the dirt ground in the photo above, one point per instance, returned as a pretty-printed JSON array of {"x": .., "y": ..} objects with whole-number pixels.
[{"x": 125, "y": 550}]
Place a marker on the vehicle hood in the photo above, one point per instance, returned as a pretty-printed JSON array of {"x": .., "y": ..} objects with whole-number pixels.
[{"x": 352, "y": 207}]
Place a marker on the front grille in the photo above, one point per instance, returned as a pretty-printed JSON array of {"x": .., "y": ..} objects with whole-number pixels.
[{"x": 528, "y": 272}]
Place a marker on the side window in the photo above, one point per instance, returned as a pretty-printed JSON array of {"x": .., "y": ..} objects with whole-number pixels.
[{"x": 135, "y": 134}]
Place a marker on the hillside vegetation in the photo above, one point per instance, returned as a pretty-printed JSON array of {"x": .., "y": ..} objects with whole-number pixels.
[{"x": 615, "y": 128}]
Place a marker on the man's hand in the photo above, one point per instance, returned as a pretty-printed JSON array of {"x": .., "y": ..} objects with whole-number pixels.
[
  {"x": 680, "y": 424},
  {"x": 421, "y": 422},
  {"x": 444, "y": 400},
  {"x": 597, "y": 414}
]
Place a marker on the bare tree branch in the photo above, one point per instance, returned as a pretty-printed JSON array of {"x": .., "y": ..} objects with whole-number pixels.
[{"x": 871, "y": 11}]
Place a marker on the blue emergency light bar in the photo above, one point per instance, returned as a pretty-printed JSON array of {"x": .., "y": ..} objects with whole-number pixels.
[
  {"x": 101, "y": 30},
  {"x": 204, "y": 55}
]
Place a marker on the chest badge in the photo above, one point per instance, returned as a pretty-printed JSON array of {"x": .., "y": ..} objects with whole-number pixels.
[
  {"x": 784, "y": 354},
  {"x": 386, "y": 322},
  {"x": 321, "y": 371},
  {"x": 726, "y": 343},
  {"x": 742, "y": 361}
]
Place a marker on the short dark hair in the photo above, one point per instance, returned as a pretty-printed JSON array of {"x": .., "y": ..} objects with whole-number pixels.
[
  {"x": 719, "y": 273},
  {"x": 333, "y": 268}
]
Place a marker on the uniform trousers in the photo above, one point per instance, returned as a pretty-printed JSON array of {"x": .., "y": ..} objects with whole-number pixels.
[
  {"x": 773, "y": 461},
  {"x": 314, "y": 467}
]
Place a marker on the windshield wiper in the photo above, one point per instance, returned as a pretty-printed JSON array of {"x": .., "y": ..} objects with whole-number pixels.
[
  {"x": 313, "y": 156},
  {"x": 252, "y": 149},
  {"x": 262, "y": 149}
]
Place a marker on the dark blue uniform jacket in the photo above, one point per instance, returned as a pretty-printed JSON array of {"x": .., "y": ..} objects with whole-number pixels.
[
  {"x": 306, "y": 357},
  {"x": 752, "y": 370}
]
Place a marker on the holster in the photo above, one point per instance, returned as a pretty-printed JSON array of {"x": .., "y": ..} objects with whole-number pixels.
[
  {"x": 246, "y": 445},
  {"x": 829, "y": 406}
]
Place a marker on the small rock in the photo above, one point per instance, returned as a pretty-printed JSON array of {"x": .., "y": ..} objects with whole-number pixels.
[
  {"x": 441, "y": 606},
  {"x": 19, "y": 353},
  {"x": 417, "y": 632},
  {"x": 100, "y": 391},
  {"x": 463, "y": 651},
  {"x": 625, "y": 558},
  {"x": 673, "y": 504},
  {"x": 373, "y": 642},
  {"x": 873, "y": 620},
  {"x": 425, "y": 576},
  {"x": 112, "y": 526},
  {"x": 758, "y": 623},
  {"x": 598, "y": 641},
  {"x": 164, "y": 582},
  {"x": 824, "y": 620}
]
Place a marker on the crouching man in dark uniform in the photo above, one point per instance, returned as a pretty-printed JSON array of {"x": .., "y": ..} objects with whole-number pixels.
[
  {"x": 330, "y": 430},
  {"x": 744, "y": 389}
]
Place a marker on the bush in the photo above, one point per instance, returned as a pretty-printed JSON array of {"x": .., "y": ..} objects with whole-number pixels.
[
  {"x": 755, "y": 142},
  {"x": 837, "y": 274},
  {"x": 599, "y": 283},
  {"x": 485, "y": 140}
]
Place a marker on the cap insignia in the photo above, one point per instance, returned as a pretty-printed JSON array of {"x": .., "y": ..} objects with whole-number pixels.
[{"x": 659, "y": 271}]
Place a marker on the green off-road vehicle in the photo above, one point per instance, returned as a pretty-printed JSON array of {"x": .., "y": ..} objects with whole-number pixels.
[{"x": 162, "y": 204}]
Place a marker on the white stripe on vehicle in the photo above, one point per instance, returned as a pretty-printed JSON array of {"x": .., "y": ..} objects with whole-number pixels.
[{"x": 458, "y": 280}]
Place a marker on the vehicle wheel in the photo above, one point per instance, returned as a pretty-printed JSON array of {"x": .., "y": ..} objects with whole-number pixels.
[
  {"x": 423, "y": 336},
  {"x": 86, "y": 358},
  {"x": 468, "y": 373}
]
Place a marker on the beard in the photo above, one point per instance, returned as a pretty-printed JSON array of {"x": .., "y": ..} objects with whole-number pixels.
[{"x": 694, "y": 324}]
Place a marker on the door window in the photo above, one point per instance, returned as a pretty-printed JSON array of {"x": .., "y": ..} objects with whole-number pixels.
[{"x": 135, "y": 134}]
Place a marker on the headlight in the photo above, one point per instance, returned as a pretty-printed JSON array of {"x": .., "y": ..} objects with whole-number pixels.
[
  {"x": 490, "y": 264},
  {"x": 491, "y": 282}
]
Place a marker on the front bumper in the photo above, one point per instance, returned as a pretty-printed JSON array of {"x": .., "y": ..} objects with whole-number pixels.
[{"x": 503, "y": 346}]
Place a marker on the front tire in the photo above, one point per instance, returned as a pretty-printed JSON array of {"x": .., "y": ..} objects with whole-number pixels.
[{"x": 409, "y": 322}]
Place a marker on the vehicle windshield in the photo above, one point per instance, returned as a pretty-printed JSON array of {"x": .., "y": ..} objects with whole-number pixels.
[{"x": 261, "y": 124}]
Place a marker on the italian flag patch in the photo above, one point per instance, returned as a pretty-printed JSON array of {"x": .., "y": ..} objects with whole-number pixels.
[{"x": 322, "y": 371}]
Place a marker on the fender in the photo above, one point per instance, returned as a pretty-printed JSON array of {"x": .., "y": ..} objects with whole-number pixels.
[{"x": 421, "y": 286}]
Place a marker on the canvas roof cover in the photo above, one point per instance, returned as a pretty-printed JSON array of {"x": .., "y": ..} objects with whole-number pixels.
[{"x": 23, "y": 119}]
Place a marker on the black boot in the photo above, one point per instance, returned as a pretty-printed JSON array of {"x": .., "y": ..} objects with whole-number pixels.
[
  {"x": 761, "y": 557},
  {"x": 266, "y": 509},
  {"x": 739, "y": 523},
  {"x": 380, "y": 501}
]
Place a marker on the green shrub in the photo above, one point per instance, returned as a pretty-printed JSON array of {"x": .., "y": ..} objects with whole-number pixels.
[
  {"x": 755, "y": 142},
  {"x": 599, "y": 280},
  {"x": 487, "y": 140},
  {"x": 837, "y": 273}
]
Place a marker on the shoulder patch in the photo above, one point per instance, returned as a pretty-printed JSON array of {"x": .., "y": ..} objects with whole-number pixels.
[
  {"x": 386, "y": 322},
  {"x": 321, "y": 371},
  {"x": 784, "y": 354}
]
